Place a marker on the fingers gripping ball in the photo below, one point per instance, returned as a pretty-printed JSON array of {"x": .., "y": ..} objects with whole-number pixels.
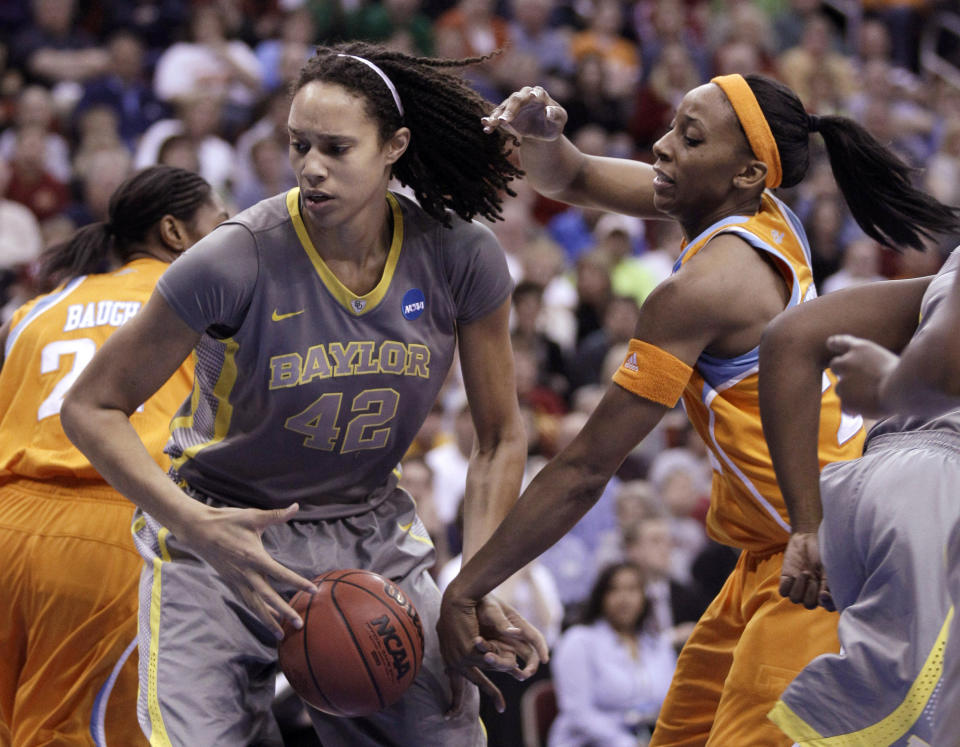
[{"x": 361, "y": 645}]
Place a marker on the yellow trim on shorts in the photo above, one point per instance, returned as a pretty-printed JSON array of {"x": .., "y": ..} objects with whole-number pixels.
[
  {"x": 891, "y": 728},
  {"x": 357, "y": 305},
  {"x": 158, "y": 732},
  {"x": 418, "y": 537}
]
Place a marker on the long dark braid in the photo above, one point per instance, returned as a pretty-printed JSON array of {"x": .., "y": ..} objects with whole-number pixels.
[
  {"x": 874, "y": 182},
  {"x": 450, "y": 163},
  {"x": 135, "y": 208}
]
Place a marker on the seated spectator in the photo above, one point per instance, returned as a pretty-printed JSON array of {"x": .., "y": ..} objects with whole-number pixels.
[
  {"x": 398, "y": 24},
  {"x": 527, "y": 335},
  {"x": 634, "y": 501},
  {"x": 594, "y": 293},
  {"x": 211, "y": 66},
  {"x": 472, "y": 28},
  {"x": 675, "y": 606},
  {"x": 30, "y": 183},
  {"x": 682, "y": 480},
  {"x": 590, "y": 101},
  {"x": 620, "y": 317},
  {"x": 416, "y": 477},
  {"x": 816, "y": 53},
  {"x": 535, "y": 38},
  {"x": 52, "y": 49},
  {"x": 198, "y": 120},
  {"x": 297, "y": 34},
  {"x": 861, "y": 264},
  {"x": 20, "y": 241},
  {"x": 449, "y": 461},
  {"x": 35, "y": 108},
  {"x": 611, "y": 674},
  {"x": 125, "y": 89},
  {"x": 98, "y": 129},
  {"x": 622, "y": 238},
  {"x": 104, "y": 171},
  {"x": 656, "y": 101},
  {"x": 271, "y": 174}
]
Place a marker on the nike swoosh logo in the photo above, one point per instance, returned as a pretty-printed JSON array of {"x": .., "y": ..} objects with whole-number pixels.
[{"x": 277, "y": 317}]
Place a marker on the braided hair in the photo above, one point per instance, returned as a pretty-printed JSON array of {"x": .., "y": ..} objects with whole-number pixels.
[
  {"x": 135, "y": 208},
  {"x": 450, "y": 162},
  {"x": 874, "y": 182}
]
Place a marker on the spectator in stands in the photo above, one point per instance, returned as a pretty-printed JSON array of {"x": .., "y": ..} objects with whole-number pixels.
[
  {"x": 620, "y": 317},
  {"x": 35, "y": 108},
  {"x": 297, "y": 34},
  {"x": 31, "y": 184},
  {"x": 51, "y": 48},
  {"x": 527, "y": 335},
  {"x": 211, "y": 65},
  {"x": 398, "y": 24},
  {"x": 611, "y": 674},
  {"x": 861, "y": 264},
  {"x": 674, "y": 605},
  {"x": 124, "y": 88}
]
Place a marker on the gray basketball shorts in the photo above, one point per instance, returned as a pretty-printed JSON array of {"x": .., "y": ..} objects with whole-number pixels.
[
  {"x": 208, "y": 665},
  {"x": 887, "y": 518},
  {"x": 947, "y": 731}
]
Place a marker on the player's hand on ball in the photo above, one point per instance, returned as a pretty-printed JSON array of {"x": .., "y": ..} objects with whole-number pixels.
[
  {"x": 229, "y": 540},
  {"x": 802, "y": 578},
  {"x": 529, "y": 112},
  {"x": 860, "y": 367}
]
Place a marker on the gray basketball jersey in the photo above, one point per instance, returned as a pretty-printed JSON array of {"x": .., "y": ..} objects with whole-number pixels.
[
  {"x": 937, "y": 291},
  {"x": 304, "y": 391}
]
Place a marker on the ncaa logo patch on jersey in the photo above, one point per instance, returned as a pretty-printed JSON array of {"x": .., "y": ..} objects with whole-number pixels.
[{"x": 413, "y": 304}]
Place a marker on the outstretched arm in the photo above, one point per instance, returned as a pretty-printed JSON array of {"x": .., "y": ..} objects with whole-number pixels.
[
  {"x": 556, "y": 168},
  {"x": 679, "y": 319},
  {"x": 793, "y": 355}
]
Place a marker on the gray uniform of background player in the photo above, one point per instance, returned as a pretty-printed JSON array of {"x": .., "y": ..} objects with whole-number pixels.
[
  {"x": 887, "y": 518},
  {"x": 305, "y": 392}
]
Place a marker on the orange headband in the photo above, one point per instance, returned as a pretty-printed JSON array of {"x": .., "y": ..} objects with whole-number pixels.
[{"x": 754, "y": 124}]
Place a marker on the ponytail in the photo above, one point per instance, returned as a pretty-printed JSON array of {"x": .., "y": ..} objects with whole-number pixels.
[
  {"x": 876, "y": 186},
  {"x": 874, "y": 182},
  {"x": 90, "y": 250}
]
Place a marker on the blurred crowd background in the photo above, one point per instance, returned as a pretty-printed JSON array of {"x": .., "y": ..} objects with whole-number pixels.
[{"x": 90, "y": 92}]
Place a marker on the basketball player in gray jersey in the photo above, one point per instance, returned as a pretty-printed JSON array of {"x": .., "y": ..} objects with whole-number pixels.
[
  {"x": 876, "y": 529},
  {"x": 324, "y": 321}
]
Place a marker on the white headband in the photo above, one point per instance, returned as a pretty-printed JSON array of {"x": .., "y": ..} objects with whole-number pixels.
[{"x": 383, "y": 76}]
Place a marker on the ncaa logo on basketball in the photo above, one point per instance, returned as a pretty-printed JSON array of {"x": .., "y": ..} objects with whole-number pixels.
[
  {"x": 392, "y": 645},
  {"x": 413, "y": 304}
]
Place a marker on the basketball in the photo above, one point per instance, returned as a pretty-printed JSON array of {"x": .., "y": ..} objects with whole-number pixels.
[{"x": 360, "y": 647}]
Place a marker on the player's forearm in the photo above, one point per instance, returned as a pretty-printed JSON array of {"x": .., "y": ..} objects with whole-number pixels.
[
  {"x": 550, "y": 506},
  {"x": 494, "y": 477},
  {"x": 109, "y": 441},
  {"x": 926, "y": 380},
  {"x": 791, "y": 371},
  {"x": 552, "y": 166}
]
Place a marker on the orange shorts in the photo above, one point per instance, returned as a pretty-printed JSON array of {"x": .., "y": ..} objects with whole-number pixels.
[
  {"x": 744, "y": 651},
  {"x": 68, "y": 620}
]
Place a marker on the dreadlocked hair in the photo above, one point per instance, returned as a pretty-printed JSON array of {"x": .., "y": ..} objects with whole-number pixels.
[
  {"x": 874, "y": 182},
  {"x": 450, "y": 163},
  {"x": 135, "y": 208}
]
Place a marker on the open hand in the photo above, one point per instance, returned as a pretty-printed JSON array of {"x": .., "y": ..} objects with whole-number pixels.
[
  {"x": 529, "y": 112},
  {"x": 229, "y": 539}
]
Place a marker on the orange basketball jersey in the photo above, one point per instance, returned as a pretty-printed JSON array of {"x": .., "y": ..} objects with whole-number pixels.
[
  {"x": 722, "y": 401},
  {"x": 51, "y": 339}
]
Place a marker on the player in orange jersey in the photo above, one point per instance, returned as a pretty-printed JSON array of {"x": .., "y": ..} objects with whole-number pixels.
[
  {"x": 745, "y": 259},
  {"x": 68, "y": 621}
]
